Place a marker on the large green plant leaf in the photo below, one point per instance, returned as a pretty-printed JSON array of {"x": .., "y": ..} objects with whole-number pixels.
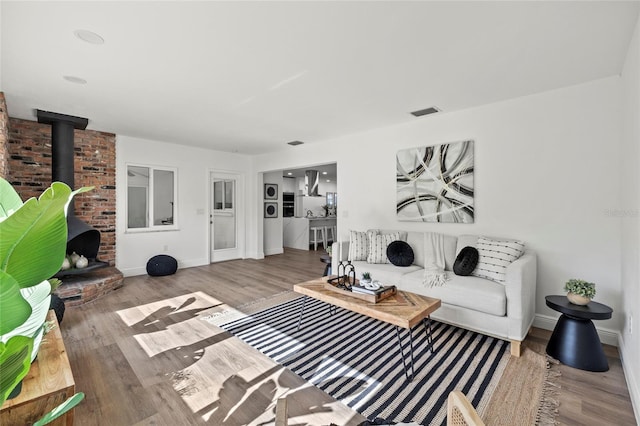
[
  {"x": 39, "y": 297},
  {"x": 14, "y": 309},
  {"x": 9, "y": 199},
  {"x": 34, "y": 237},
  {"x": 60, "y": 409},
  {"x": 15, "y": 359}
]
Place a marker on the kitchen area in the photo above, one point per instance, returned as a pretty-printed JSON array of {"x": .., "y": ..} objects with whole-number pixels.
[{"x": 309, "y": 201}]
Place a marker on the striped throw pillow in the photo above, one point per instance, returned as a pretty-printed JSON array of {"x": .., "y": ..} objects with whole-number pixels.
[
  {"x": 495, "y": 256},
  {"x": 359, "y": 244},
  {"x": 378, "y": 247}
]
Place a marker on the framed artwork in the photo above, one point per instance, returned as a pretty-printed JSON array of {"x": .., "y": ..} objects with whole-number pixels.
[
  {"x": 270, "y": 191},
  {"x": 270, "y": 210},
  {"x": 435, "y": 183}
]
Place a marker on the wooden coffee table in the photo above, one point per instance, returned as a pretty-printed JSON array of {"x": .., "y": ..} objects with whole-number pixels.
[{"x": 403, "y": 309}]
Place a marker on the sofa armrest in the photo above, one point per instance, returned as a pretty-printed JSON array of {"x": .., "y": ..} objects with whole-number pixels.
[{"x": 520, "y": 288}]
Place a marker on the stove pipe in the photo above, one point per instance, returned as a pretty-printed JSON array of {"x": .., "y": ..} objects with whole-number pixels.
[{"x": 81, "y": 238}]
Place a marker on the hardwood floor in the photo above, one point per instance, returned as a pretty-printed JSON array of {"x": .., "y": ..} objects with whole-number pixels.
[{"x": 144, "y": 356}]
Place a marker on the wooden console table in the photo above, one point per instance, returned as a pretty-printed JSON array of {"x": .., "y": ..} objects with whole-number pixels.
[{"x": 48, "y": 384}]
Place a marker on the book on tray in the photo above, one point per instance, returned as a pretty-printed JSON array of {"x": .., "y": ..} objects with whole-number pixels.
[{"x": 364, "y": 290}]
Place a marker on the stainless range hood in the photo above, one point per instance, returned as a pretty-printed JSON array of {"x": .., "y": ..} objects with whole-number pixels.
[{"x": 311, "y": 181}]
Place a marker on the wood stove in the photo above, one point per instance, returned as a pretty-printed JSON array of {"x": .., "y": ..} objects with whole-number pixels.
[{"x": 82, "y": 238}]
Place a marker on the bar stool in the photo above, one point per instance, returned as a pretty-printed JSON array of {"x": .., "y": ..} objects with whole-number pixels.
[
  {"x": 318, "y": 238},
  {"x": 329, "y": 230}
]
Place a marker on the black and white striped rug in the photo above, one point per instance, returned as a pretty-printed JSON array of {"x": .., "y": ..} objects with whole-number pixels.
[{"x": 357, "y": 360}]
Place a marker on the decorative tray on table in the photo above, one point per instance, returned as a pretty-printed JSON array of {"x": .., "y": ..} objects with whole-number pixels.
[{"x": 360, "y": 292}]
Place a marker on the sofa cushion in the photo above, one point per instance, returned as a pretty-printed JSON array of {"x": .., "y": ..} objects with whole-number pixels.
[
  {"x": 466, "y": 241},
  {"x": 466, "y": 261},
  {"x": 400, "y": 253},
  {"x": 403, "y": 234},
  {"x": 470, "y": 292},
  {"x": 386, "y": 273},
  {"x": 416, "y": 241},
  {"x": 359, "y": 244},
  {"x": 495, "y": 256},
  {"x": 378, "y": 247}
]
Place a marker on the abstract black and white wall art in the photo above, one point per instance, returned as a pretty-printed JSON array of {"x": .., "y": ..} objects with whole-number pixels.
[
  {"x": 270, "y": 191},
  {"x": 270, "y": 210},
  {"x": 435, "y": 183}
]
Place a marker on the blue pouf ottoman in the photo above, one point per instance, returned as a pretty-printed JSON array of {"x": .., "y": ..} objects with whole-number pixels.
[{"x": 162, "y": 264}]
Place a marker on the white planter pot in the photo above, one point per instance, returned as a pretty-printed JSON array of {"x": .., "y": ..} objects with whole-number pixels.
[{"x": 576, "y": 299}]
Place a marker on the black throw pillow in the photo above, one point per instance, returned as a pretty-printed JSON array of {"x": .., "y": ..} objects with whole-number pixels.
[
  {"x": 400, "y": 253},
  {"x": 466, "y": 261}
]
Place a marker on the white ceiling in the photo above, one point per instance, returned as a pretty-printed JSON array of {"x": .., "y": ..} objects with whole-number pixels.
[
  {"x": 250, "y": 76},
  {"x": 327, "y": 172}
]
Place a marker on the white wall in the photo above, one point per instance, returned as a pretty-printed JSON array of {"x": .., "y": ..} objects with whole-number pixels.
[
  {"x": 629, "y": 214},
  {"x": 1, "y": 6},
  {"x": 190, "y": 243},
  {"x": 547, "y": 170},
  {"x": 273, "y": 226}
]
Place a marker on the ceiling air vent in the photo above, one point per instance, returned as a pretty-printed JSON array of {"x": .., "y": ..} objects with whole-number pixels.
[
  {"x": 294, "y": 143},
  {"x": 430, "y": 110}
]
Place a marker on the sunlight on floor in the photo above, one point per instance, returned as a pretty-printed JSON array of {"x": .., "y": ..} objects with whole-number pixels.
[
  {"x": 221, "y": 379},
  {"x": 170, "y": 323},
  {"x": 339, "y": 372}
]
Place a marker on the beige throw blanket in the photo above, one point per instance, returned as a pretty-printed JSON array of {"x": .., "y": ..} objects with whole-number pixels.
[{"x": 434, "y": 273}]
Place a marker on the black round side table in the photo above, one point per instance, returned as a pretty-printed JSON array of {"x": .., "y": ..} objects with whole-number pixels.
[
  {"x": 574, "y": 341},
  {"x": 326, "y": 259}
]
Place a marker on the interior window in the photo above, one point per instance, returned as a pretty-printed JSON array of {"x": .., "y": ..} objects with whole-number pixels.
[
  {"x": 223, "y": 195},
  {"x": 151, "y": 195}
]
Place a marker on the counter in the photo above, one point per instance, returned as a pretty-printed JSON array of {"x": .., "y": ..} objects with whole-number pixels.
[{"x": 296, "y": 230}]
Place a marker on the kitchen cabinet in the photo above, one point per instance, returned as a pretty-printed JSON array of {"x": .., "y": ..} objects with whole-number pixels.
[
  {"x": 289, "y": 184},
  {"x": 296, "y": 230}
]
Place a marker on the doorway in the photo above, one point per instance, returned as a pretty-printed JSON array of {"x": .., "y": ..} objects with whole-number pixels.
[{"x": 226, "y": 217}]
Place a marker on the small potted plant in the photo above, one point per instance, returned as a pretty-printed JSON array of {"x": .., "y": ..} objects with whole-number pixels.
[
  {"x": 579, "y": 292},
  {"x": 366, "y": 278}
]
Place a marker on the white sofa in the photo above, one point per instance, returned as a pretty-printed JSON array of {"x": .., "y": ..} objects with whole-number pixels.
[{"x": 505, "y": 311}]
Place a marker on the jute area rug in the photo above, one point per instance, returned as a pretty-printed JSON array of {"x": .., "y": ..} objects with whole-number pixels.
[{"x": 504, "y": 390}]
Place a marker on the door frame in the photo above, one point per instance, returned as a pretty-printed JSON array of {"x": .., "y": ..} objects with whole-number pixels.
[{"x": 240, "y": 211}]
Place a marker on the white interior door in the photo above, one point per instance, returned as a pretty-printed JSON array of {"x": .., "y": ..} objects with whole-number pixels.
[{"x": 226, "y": 217}]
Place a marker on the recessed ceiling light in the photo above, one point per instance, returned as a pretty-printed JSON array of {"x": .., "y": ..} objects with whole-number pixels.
[
  {"x": 289, "y": 174},
  {"x": 89, "y": 36},
  {"x": 74, "y": 79},
  {"x": 426, "y": 111},
  {"x": 328, "y": 180},
  {"x": 324, "y": 173},
  {"x": 294, "y": 143}
]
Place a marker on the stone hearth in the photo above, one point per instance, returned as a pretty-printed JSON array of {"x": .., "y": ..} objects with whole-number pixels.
[{"x": 79, "y": 289}]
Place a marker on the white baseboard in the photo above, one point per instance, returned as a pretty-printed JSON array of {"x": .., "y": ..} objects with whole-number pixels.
[
  {"x": 546, "y": 322},
  {"x": 274, "y": 250},
  {"x": 132, "y": 272},
  {"x": 254, "y": 255},
  {"x": 632, "y": 382},
  {"x": 142, "y": 270},
  {"x": 193, "y": 262}
]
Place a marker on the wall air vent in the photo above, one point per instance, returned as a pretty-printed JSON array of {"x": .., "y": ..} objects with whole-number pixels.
[
  {"x": 430, "y": 110},
  {"x": 294, "y": 143}
]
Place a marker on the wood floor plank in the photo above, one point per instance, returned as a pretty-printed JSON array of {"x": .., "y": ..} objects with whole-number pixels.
[{"x": 144, "y": 356}]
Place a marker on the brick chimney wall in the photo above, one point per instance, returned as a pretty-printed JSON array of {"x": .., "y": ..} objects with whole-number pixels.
[
  {"x": 29, "y": 166},
  {"x": 4, "y": 137}
]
